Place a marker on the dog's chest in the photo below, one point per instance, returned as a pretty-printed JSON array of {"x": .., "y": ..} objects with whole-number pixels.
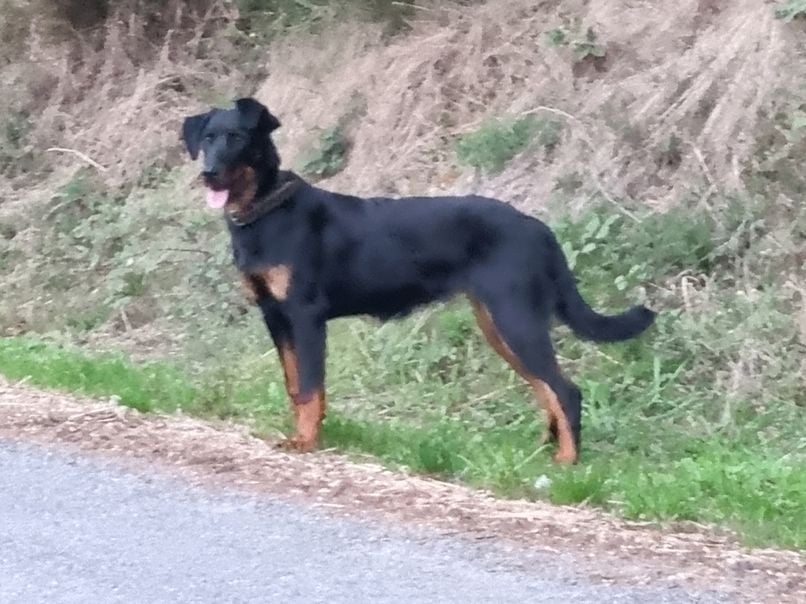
[
  {"x": 255, "y": 249},
  {"x": 274, "y": 281},
  {"x": 265, "y": 270}
]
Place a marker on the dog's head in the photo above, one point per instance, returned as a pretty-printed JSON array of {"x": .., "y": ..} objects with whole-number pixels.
[{"x": 236, "y": 146}]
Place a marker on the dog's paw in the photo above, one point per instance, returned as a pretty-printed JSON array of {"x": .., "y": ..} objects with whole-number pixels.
[
  {"x": 565, "y": 458},
  {"x": 298, "y": 444}
]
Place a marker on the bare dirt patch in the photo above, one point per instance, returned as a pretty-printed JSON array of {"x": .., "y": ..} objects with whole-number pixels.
[{"x": 609, "y": 549}]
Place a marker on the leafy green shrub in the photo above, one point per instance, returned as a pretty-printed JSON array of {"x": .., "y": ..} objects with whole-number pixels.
[
  {"x": 281, "y": 13},
  {"x": 268, "y": 16},
  {"x": 497, "y": 141},
  {"x": 328, "y": 156},
  {"x": 791, "y": 10},
  {"x": 613, "y": 253},
  {"x": 584, "y": 46},
  {"x": 669, "y": 153},
  {"x": 780, "y": 146},
  {"x": 15, "y": 151},
  {"x": 101, "y": 252}
]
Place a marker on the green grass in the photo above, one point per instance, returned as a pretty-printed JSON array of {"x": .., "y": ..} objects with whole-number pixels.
[
  {"x": 270, "y": 17},
  {"x": 699, "y": 419},
  {"x": 791, "y": 10},
  {"x": 497, "y": 141},
  {"x": 146, "y": 387},
  {"x": 636, "y": 466},
  {"x": 327, "y": 157}
]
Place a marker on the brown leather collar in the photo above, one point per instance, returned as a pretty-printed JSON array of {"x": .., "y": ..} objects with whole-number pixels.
[{"x": 287, "y": 184}]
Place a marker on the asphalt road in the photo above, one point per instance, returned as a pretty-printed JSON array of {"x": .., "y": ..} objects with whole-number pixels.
[{"x": 75, "y": 529}]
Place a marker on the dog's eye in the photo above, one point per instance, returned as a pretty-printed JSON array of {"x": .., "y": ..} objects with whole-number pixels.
[
  {"x": 209, "y": 138},
  {"x": 234, "y": 136}
]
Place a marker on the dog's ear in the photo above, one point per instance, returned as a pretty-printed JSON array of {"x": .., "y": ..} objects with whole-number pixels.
[
  {"x": 192, "y": 129},
  {"x": 255, "y": 115}
]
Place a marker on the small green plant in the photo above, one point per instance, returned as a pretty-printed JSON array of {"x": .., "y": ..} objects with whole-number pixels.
[
  {"x": 557, "y": 37},
  {"x": 264, "y": 18},
  {"x": 569, "y": 183},
  {"x": 86, "y": 320},
  {"x": 15, "y": 152},
  {"x": 584, "y": 46},
  {"x": 7, "y": 231},
  {"x": 74, "y": 202},
  {"x": 670, "y": 152},
  {"x": 791, "y": 10},
  {"x": 604, "y": 248},
  {"x": 779, "y": 152},
  {"x": 328, "y": 156},
  {"x": 497, "y": 141},
  {"x": 259, "y": 16},
  {"x": 587, "y": 46}
]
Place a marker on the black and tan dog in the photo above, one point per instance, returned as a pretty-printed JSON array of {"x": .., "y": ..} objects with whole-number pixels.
[{"x": 307, "y": 255}]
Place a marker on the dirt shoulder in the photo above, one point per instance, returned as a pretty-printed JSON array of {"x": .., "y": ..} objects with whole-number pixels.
[{"x": 215, "y": 454}]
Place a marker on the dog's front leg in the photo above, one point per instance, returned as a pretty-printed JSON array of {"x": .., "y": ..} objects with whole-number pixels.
[
  {"x": 280, "y": 330},
  {"x": 304, "y": 363},
  {"x": 300, "y": 341}
]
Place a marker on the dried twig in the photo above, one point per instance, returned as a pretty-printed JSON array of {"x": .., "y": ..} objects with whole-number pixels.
[
  {"x": 125, "y": 318},
  {"x": 188, "y": 250},
  {"x": 80, "y": 155}
]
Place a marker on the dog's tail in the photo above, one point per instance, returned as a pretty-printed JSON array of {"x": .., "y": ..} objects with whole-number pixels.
[{"x": 572, "y": 310}]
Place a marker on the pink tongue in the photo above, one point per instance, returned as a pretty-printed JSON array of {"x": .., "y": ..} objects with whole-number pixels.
[{"x": 217, "y": 199}]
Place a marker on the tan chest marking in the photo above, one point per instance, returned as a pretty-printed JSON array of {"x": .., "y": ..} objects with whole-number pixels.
[
  {"x": 274, "y": 280},
  {"x": 278, "y": 281}
]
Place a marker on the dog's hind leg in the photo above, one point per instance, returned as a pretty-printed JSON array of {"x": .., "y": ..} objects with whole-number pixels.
[
  {"x": 525, "y": 345},
  {"x": 493, "y": 338}
]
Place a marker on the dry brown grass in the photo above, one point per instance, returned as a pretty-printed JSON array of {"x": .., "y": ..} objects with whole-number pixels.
[
  {"x": 111, "y": 96},
  {"x": 698, "y": 70},
  {"x": 704, "y": 71},
  {"x": 701, "y": 71}
]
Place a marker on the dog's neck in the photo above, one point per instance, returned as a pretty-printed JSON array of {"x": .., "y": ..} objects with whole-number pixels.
[
  {"x": 267, "y": 181},
  {"x": 282, "y": 188},
  {"x": 268, "y": 172}
]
